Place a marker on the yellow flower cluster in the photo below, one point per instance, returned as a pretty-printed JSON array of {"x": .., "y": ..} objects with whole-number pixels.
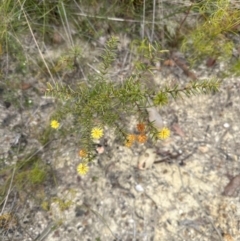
[
  {"x": 162, "y": 134},
  {"x": 141, "y": 138}
]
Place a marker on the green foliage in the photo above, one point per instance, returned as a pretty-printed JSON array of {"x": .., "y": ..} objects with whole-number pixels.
[
  {"x": 41, "y": 15},
  {"x": 29, "y": 174},
  {"x": 45, "y": 205},
  {"x": 109, "y": 55},
  {"x": 45, "y": 136},
  {"x": 62, "y": 203},
  {"x": 69, "y": 60},
  {"x": 98, "y": 17},
  {"x": 104, "y": 102},
  {"x": 235, "y": 68},
  {"x": 209, "y": 38},
  {"x": 147, "y": 54},
  {"x": 193, "y": 88},
  {"x": 37, "y": 175},
  {"x": 161, "y": 98}
]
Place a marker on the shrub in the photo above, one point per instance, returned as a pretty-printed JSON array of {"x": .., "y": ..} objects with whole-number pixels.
[{"x": 102, "y": 102}]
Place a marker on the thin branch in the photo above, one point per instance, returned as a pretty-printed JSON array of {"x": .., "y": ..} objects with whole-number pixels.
[
  {"x": 184, "y": 19},
  {"x": 162, "y": 25},
  {"x": 9, "y": 190},
  {"x": 153, "y": 20},
  {"x": 143, "y": 21},
  {"x": 114, "y": 19}
]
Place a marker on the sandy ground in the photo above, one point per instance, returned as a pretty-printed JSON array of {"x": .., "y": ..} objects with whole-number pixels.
[{"x": 184, "y": 196}]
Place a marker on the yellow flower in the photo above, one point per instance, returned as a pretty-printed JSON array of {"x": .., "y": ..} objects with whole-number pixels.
[
  {"x": 97, "y": 132},
  {"x": 128, "y": 143},
  {"x": 142, "y": 138},
  {"x": 82, "y": 153},
  {"x": 141, "y": 127},
  {"x": 131, "y": 138},
  {"x": 54, "y": 124},
  {"x": 82, "y": 169},
  {"x": 164, "y": 133}
]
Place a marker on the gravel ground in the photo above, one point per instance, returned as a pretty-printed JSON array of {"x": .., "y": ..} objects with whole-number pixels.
[{"x": 191, "y": 192}]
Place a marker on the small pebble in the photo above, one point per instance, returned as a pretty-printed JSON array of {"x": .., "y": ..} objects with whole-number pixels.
[
  {"x": 139, "y": 188},
  {"x": 226, "y": 125},
  {"x": 131, "y": 221}
]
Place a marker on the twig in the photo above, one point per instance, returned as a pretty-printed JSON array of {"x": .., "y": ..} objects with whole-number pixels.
[
  {"x": 113, "y": 18},
  {"x": 46, "y": 232},
  {"x": 162, "y": 25},
  {"x": 184, "y": 19},
  {"x": 153, "y": 20},
  {"x": 94, "y": 68},
  {"x": 143, "y": 21},
  {"x": 9, "y": 189}
]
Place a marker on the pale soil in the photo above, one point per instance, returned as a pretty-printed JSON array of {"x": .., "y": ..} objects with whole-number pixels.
[{"x": 180, "y": 198}]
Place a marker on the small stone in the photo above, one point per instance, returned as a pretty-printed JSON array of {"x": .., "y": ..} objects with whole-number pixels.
[
  {"x": 203, "y": 149},
  {"x": 226, "y": 125},
  {"x": 131, "y": 221},
  {"x": 139, "y": 188}
]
